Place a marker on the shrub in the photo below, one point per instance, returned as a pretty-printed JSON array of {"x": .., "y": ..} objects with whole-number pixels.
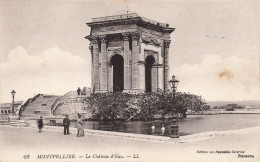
[{"x": 143, "y": 105}]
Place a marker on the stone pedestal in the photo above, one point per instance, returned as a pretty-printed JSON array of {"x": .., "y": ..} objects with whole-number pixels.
[{"x": 13, "y": 117}]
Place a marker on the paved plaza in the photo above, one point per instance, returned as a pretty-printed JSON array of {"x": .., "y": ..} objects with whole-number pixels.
[{"x": 51, "y": 145}]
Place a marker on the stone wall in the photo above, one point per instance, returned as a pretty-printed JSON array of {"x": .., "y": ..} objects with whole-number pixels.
[{"x": 72, "y": 106}]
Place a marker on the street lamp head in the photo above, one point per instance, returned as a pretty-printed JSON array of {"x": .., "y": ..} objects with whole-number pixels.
[
  {"x": 173, "y": 83},
  {"x": 13, "y": 93}
]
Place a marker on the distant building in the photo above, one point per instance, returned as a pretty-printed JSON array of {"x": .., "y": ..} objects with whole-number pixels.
[
  {"x": 6, "y": 108},
  {"x": 229, "y": 107}
]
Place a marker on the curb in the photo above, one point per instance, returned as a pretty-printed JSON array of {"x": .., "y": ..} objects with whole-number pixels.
[{"x": 160, "y": 139}]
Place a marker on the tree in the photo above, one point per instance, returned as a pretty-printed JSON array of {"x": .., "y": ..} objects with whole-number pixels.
[{"x": 143, "y": 105}]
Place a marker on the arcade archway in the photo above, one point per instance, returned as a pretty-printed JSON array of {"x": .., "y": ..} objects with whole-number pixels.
[
  {"x": 117, "y": 62},
  {"x": 149, "y": 61}
]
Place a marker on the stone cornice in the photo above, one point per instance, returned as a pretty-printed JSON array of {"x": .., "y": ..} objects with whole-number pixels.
[
  {"x": 158, "y": 65},
  {"x": 130, "y": 20},
  {"x": 141, "y": 62}
]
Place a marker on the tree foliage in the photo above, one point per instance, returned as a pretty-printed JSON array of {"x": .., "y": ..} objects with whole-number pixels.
[{"x": 142, "y": 105}]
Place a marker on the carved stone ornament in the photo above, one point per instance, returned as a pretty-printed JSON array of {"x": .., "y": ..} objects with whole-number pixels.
[
  {"x": 125, "y": 36},
  {"x": 145, "y": 39},
  {"x": 135, "y": 35},
  {"x": 103, "y": 38},
  {"x": 148, "y": 52},
  {"x": 90, "y": 45},
  {"x": 117, "y": 51},
  {"x": 155, "y": 42},
  {"x": 94, "y": 40},
  {"x": 167, "y": 43}
]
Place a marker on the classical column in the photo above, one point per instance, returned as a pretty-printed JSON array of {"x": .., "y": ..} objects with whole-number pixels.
[
  {"x": 110, "y": 78},
  {"x": 160, "y": 78},
  {"x": 154, "y": 79},
  {"x": 92, "y": 65},
  {"x": 103, "y": 78},
  {"x": 96, "y": 63},
  {"x": 166, "y": 64},
  {"x": 127, "y": 81},
  {"x": 135, "y": 58},
  {"x": 141, "y": 77}
]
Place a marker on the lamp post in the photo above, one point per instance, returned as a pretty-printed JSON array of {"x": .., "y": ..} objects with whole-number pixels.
[
  {"x": 13, "y": 93},
  {"x": 173, "y": 84},
  {"x": 174, "y": 127}
]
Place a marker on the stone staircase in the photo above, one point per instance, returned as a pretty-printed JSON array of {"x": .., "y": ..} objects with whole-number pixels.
[
  {"x": 71, "y": 104},
  {"x": 40, "y": 107}
]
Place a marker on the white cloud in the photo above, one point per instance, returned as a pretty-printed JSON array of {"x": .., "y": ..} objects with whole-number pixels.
[
  {"x": 53, "y": 72},
  {"x": 217, "y": 78},
  {"x": 57, "y": 72}
]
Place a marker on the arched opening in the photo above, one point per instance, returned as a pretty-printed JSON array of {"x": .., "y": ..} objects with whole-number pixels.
[
  {"x": 2, "y": 111},
  {"x": 5, "y": 111},
  {"x": 9, "y": 111},
  {"x": 117, "y": 62},
  {"x": 149, "y": 61}
]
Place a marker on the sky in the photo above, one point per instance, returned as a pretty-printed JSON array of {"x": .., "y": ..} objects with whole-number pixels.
[{"x": 214, "y": 51}]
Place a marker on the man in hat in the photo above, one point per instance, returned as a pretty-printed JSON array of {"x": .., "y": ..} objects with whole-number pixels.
[{"x": 66, "y": 124}]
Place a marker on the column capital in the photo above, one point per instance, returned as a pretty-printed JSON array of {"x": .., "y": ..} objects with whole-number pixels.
[
  {"x": 125, "y": 36},
  {"x": 94, "y": 39},
  {"x": 167, "y": 43},
  {"x": 103, "y": 38},
  {"x": 135, "y": 35},
  {"x": 90, "y": 45}
]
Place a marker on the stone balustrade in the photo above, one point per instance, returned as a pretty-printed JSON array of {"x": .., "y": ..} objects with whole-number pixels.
[{"x": 125, "y": 16}]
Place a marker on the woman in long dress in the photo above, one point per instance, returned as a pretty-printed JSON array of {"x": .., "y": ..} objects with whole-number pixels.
[{"x": 80, "y": 127}]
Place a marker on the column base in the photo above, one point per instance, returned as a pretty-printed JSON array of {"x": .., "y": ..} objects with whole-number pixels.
[
  {"x": 134, "y": 91},
  {"x": 174, "y": 136},
  {"x": 103, "y": 91}
]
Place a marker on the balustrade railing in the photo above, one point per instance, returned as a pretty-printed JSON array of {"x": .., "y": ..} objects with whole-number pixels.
[{"x": 125, "y": 16}]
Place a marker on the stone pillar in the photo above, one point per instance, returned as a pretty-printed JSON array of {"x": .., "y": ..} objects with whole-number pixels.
[
  {"x": 96, "y": 64},
  {"x": 110, "y": 78},
  {"x": 92, "y": 65},
  {"x": 127, "y": 81},
  {"x": 154, "y": 78},
  {"x": 166, "y": 64},
  {"x": 135, "y": 58},
  {"x": 141, "y": 77},
  {"x": 103, "y": 78},
  {"x": 160, "y": 78}
]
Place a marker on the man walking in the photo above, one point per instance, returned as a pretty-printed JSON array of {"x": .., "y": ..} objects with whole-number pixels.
[{"x": 66, "y": 124}]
